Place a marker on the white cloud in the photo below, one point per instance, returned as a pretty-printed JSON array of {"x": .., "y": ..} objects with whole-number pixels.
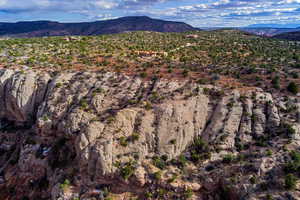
[
  {"x": 195, "y": 12},
  {"x": 105, "y": 4},
  {"x": 3, "y": 2}
]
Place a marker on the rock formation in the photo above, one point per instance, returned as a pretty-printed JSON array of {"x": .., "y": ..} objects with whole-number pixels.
[{"x": 72, "y": 135}]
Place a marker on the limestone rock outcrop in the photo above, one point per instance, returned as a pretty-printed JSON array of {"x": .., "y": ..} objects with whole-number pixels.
[{"x": 96, "y": 123}]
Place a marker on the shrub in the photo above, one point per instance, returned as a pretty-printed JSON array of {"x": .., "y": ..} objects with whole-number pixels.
[
  {"x": 127, "y": 170},
  {"x": 295, "y": 156},
  {"x": 269, "y": 152},
  {"x": 288, "y": 130},
  {"x": 173, "y": 141},
  {"x": 276, "y": 82},
  {"x": 159, "y": 162},
  {"x": 294, "y": 165},
  {"x": 200, "y": 150},
  {"x": 65, "y": 185},
  {"x": 110, "y": 119},
  {"x": 99, "y": 90},
  {"x": 157, "y": 175},
  {"x": 253, "y": 180},
  {"x": 148, "y": 106},
  {"x": 58, "y": 85},
  {"x": 161, "y": 193},
  {"x": 290, "y": 181},
  {"x": 45, "y": 118},
  {"x": 83, "y": 104},
  {"x": 134, "y": 137},
  {"x": 172, "y": 179},
  {"x": 181, "y": 161},
  {"x": 188, "y": 193},
  {"x": 143, "y": 75},
  {"x": 123, "y": 141},
  {"x": 185, "y": 73},
  {"x": 293, "y": 88},
  {"x": 229, "y": 158},
  {"x": 269, "y": 197},
  {"x": 148, "y": 195}
]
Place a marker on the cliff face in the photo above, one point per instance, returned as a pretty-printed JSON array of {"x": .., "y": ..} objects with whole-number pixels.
[{"x": 77, "y": 135}]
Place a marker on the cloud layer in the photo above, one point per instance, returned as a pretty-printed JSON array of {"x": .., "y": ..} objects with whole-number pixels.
[{"x": 206, "y": 13}]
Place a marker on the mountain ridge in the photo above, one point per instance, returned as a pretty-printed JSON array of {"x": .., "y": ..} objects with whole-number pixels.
[
  {"x": 123, "y": 24},
  {"x": 295, "y": 35}
]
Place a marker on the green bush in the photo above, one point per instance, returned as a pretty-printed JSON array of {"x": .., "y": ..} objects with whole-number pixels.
[
  {"x": 143, "y": 75},
  {"x": 127, "y": 170},
  {"x": 173, "y": 141},
  {"x": 229, "y": 158},
  {"x": 295, "y": 156},
  {"x": 157, "y": 175},
  {"x": 65, "y": 185},
  {"x": 293, "y": 88},
  {"x": 134, "y": 137},
  {"x": 269, "y": 152},
  {"x": 58, "y": 85},
  {"x": 276, "y": 82},
  {"x": 83, "y": 104},
  {"x": 200, "y": 150},
  {"x": 181, "y": 162},
  {"x": 148, "y": 106},
  {"x": 290, "y": 181},
  {"x": 123, "y": 141},
  {"x": 294, "y": 164},
  {"x": 188, "y": 193},
  {"x": 269, "y": 197},
  {"x": 288, "y": 130},
  {"x": 172, "y": 179},
  {"x": 253, "y": 180},
  {"x": 159, "y": 162}
]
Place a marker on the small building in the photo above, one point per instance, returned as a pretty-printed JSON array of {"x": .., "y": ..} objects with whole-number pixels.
[
  {"x": 151, "y": 53},
  {"x": 192, "y": 36}
]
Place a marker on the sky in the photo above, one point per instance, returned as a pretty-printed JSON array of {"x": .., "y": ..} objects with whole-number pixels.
[{"x": 206, "y": 13}]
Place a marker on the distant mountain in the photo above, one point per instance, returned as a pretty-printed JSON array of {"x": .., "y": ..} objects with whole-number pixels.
[
  {"x": 256, "y": 30},
  {"x": 49, "y": 28},
  {"x": 268, "y": 32},
  {"x": 277, "y": 26},
  {"x": 289, "y": 36}
]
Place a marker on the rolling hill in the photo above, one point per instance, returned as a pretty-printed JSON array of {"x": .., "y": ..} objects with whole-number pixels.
[
  {"x": 268, "y": 32},
  {"x": 50, "y": 28},
  {"x": 289, "y": 36}
]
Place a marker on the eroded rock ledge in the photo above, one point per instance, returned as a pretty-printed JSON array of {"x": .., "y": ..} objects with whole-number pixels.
[{"x": 97, "y": 129}]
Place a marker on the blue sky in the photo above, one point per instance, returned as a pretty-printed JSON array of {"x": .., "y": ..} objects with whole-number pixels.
[{"x": 206, "y": 13}]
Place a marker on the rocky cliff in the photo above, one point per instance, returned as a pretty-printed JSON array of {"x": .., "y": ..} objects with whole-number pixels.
[{"x": 93, "y": 135}]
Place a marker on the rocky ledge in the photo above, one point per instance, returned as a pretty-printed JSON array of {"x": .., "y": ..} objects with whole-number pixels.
[{"x": 90, "y": 135}]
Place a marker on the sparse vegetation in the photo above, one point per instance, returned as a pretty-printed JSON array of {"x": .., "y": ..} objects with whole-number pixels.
[
  {"x": 259, "y": 150},
  {"x": 235, "y": 55}
]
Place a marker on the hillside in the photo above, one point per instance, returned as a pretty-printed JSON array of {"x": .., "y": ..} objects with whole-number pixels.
[
  {"x": 289, "y": 36},
  {"x": 48, "y": 28},
  {"x": 227, "y": 57},
  {"x": 201, "y": 115},
  {"x": 268, "y": 32}
]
